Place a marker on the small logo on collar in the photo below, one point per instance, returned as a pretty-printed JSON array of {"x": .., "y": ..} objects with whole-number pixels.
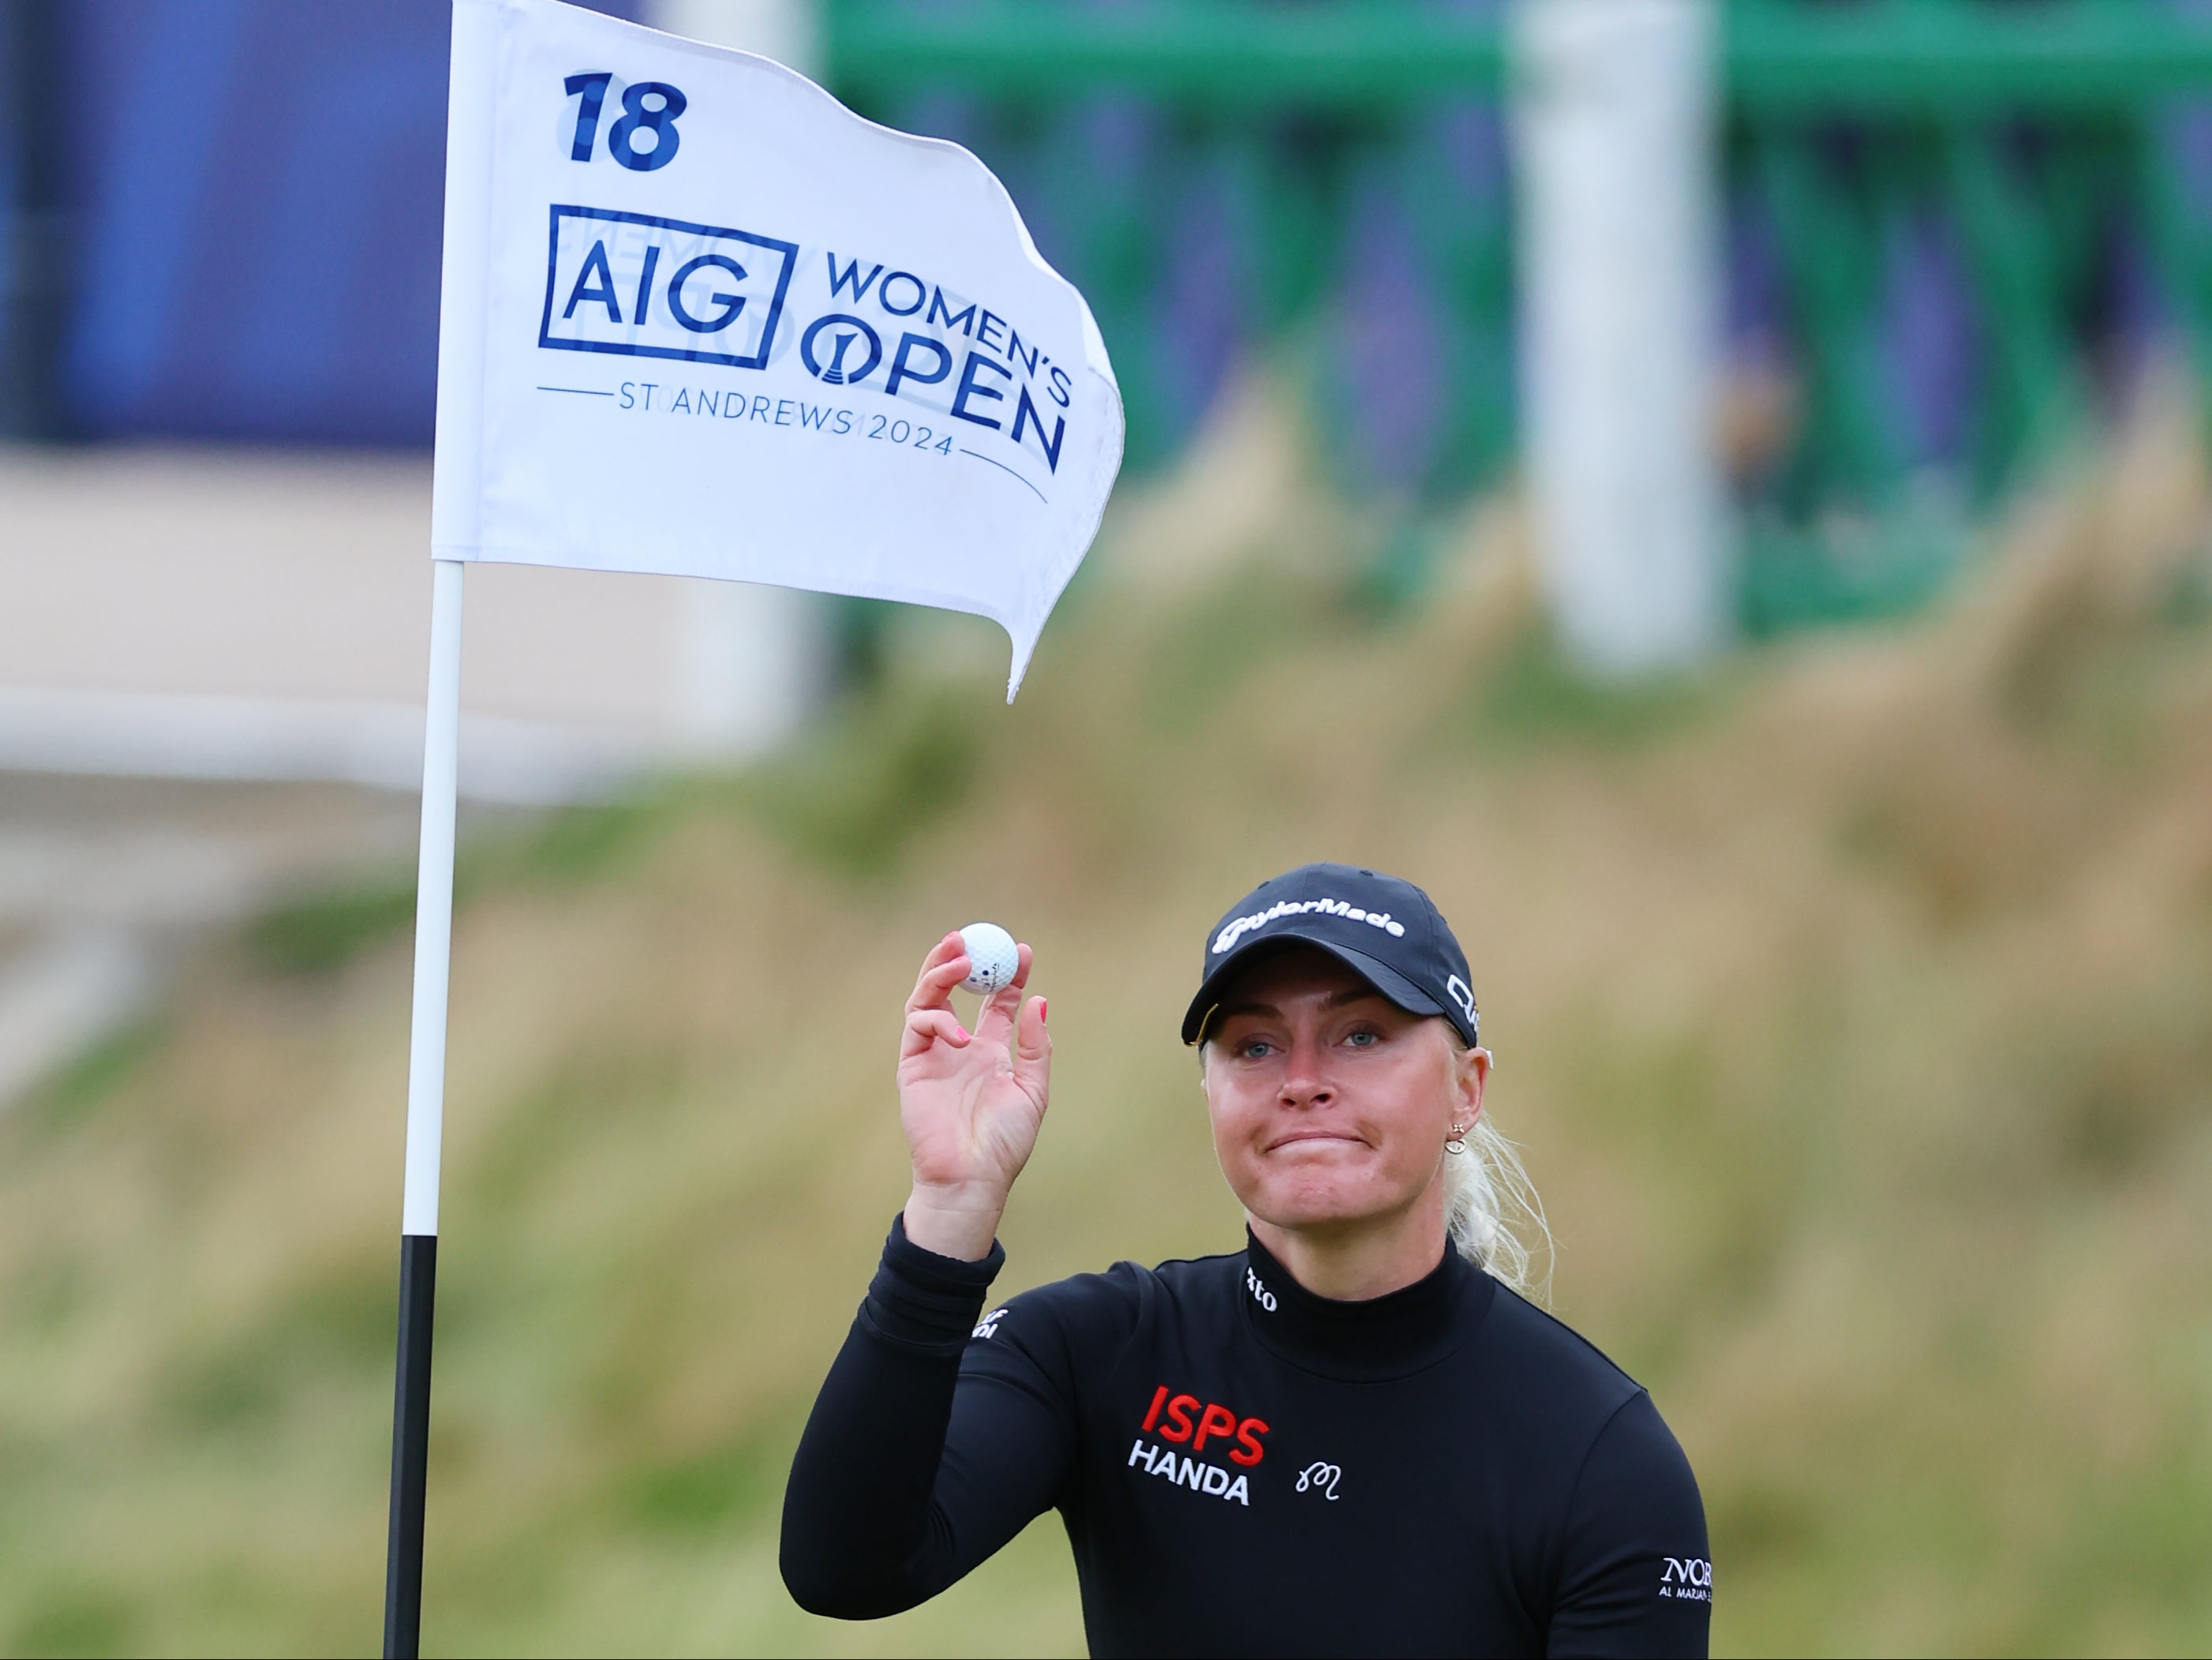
[{"x": 1260, "y": 1294}]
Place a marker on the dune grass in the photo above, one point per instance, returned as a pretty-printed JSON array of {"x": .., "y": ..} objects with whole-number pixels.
[{"x": 1853, "y": 1005}]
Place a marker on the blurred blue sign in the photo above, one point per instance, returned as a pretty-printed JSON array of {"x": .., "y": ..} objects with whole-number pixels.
[{"x": 258, "y": 188}]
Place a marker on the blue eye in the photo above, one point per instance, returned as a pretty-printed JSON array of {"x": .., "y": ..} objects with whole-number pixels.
[
  {"x": 1254, "y": 1048},
  {"x": 1364, "y": 1039}
]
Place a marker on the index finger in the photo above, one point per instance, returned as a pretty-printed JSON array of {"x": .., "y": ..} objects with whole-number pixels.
[{"x": 945, "y": 967}]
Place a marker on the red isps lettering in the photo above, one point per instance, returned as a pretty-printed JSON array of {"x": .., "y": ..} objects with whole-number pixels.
[
  {"x": 1249, "y": 1450},
  {"x": 1177, "y": 1427},
  {"x": 1159, "y": 1400},
  {"x": 1214, "y": 1422}
]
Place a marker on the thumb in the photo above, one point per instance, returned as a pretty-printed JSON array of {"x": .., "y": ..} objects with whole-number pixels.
[{"x": 1032, "y": 1056}]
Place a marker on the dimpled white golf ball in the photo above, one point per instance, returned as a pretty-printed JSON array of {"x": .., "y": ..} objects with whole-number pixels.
[{"x": 992, "y": 959}]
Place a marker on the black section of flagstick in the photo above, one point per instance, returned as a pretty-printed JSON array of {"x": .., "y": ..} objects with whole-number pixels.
[{"x": 410, "y": 1446}]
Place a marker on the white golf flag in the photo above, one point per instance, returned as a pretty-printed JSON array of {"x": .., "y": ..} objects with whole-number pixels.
[{"x": 700, "y": 318}]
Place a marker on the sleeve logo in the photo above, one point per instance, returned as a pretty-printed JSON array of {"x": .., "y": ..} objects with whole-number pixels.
[{"x": 1687, "y": 1578}]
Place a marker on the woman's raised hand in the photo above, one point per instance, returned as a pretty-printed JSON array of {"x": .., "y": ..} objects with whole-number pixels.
[{"x": 970, "y": 1101}]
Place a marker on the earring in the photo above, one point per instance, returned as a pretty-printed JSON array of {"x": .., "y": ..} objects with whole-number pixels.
[{"x": 1458, "y": 1143}]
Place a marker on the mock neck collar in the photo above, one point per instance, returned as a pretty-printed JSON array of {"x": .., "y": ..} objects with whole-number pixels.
[{"x": 1401, "y": 1332}]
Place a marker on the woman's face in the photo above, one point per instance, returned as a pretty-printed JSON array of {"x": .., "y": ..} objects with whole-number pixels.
[{"x": 1331, "y": 1104}]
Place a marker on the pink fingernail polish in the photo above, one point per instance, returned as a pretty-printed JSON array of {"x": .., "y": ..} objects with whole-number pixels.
[{"x": 963, "y": 1030}]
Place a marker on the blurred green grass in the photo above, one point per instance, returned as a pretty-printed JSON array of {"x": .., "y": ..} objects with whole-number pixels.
[{"x": 1853, "y": 1003}]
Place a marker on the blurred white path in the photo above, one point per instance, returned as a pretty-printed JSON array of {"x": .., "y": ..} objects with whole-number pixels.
[{"x": 216, "y": 614}]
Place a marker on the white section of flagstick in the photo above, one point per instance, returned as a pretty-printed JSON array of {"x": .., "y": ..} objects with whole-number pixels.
[{"x": 434, "y": 905}]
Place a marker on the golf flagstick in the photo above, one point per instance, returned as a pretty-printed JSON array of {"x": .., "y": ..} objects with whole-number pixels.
[
  {"x": 426, "y": 1113},
  {"x": 650, "y": 360},
  {"x": 453, "y": 492}
]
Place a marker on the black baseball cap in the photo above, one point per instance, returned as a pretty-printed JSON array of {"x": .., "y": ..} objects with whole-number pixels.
[{"x": 1385, "y": 929}]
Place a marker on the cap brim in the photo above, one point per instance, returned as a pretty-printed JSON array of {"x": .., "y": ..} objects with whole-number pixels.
[{"x": 1385, "y": 979}]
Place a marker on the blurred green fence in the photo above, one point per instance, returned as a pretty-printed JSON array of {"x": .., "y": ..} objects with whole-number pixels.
[{"x": 1956, "y": 230}]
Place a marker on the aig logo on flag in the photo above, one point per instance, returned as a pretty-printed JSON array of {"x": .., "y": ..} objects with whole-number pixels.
[{"x": 643, "y": 287}]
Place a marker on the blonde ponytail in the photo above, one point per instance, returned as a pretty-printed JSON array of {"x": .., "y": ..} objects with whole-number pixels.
[{"x": 1493, "y": 1213}]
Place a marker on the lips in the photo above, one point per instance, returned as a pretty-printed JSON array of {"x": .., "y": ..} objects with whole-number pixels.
[{"x": 1298, "y": 1137}]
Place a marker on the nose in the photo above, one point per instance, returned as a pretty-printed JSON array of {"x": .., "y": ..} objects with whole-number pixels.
[{"x": 1305, "y": 1079}]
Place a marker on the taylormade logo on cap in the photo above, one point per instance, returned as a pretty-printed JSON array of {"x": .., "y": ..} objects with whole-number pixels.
[
  {"x": 1242, "y": 925},
  {"x": 1409, "y": 956}
]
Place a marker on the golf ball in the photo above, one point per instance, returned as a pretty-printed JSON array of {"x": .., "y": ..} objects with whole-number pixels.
[{"x": 991, "y": 956}]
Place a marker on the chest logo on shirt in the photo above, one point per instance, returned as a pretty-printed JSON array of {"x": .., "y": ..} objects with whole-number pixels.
[
  {"x": 1320, "y": 1477},
  {"x": 1171, "y": 1417}
]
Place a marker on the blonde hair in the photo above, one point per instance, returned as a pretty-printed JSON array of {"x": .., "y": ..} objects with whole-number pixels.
[{"x": 1493, "y": 1210}]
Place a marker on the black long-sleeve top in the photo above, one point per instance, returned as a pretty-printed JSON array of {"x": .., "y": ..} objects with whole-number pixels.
[{"x": 1245, "y": 1467}]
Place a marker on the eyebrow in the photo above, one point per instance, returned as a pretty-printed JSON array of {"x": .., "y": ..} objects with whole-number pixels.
[{"x": 1335, "y": 1000}]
